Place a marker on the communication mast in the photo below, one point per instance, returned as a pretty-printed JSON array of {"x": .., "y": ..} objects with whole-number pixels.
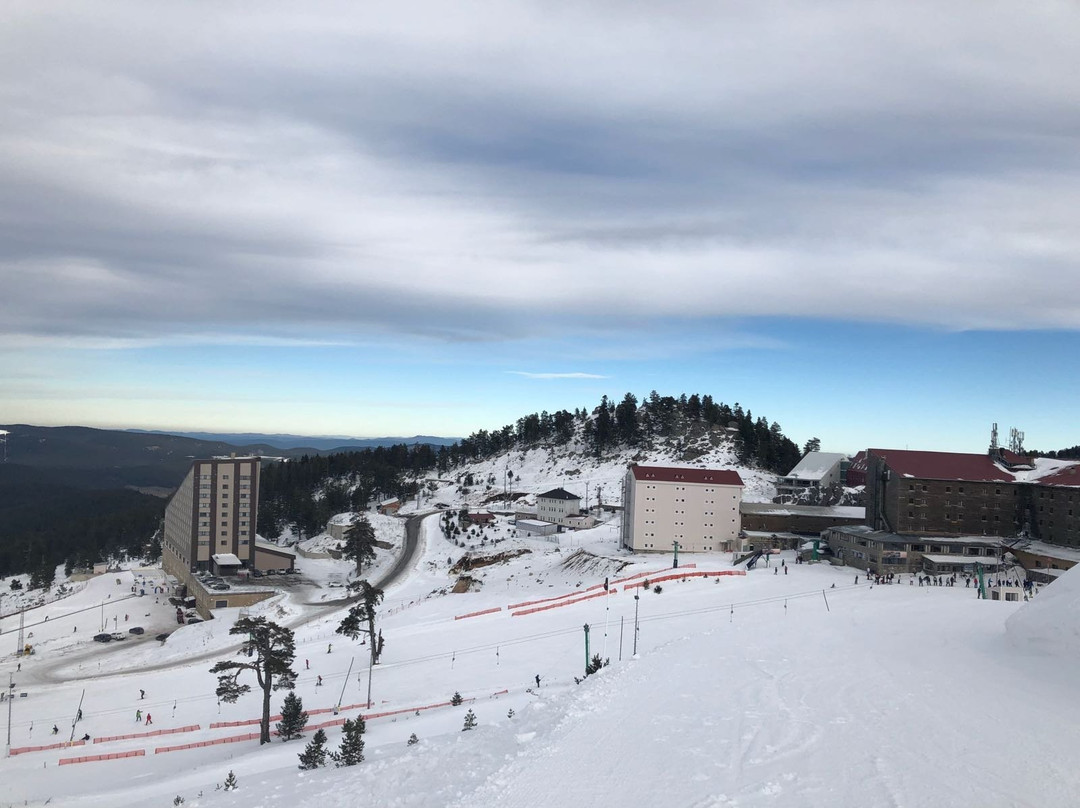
[
  {"x": 1016, "y": 441},
  {"x": 993, "y": 439}
]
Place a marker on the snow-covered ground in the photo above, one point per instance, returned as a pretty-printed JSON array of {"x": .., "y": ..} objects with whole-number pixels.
[
  {"x": 781, "y": 689},
  {"x": 537, "y": 470}
]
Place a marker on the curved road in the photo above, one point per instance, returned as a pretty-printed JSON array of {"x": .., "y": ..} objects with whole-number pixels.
[{"x": 404, "y": 564}]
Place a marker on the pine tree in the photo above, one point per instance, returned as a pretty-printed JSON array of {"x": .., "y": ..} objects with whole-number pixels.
[
  {"x": 595, "y": 664},
  {"x": 230, "y": 782},
  {"x": 413, "y": 740},
  {"x": 270, "y": 649},
  {"x": 510, "y": 713},
  {"x": 314, "y": 754},
  {"x": 351, "y": 750},
  {"x": 470, "y": 721},
  {"x": 293, "y": 718},
  {"x": 359, "y": 541},
  {"x": 456, "y": 699}
]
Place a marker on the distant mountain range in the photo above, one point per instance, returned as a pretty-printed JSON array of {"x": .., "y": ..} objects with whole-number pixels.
[
  {"x": 109, "y": 458},
  {"x": 281, "y": 441}
]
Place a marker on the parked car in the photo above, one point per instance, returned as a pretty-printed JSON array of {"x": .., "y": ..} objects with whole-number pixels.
[
  {"x": 119, "y": 635},
  {"x": 161, "y": 637},
  {"x": 219, "y": 587},
  {"x": 292, "y": 571},
  {"x": 136, "y": 630},
  {"x": 193, "y": 620},
  {"x": 256, "y": 574},
  {"x": 102, "y": 637}
]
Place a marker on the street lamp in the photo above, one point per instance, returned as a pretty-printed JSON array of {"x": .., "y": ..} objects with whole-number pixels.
[{"x": 675, "y": 560}]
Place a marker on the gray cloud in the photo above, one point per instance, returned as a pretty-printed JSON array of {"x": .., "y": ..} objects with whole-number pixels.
[{"x": 174, "y": 173}]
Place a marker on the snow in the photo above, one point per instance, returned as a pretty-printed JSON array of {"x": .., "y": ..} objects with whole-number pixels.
[
  {"x": 747, "y": 690},
  {"x": 1050, "y": 624}
]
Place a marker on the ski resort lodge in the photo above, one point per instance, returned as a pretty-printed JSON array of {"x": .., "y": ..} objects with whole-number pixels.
[
  {"x": 697, "y": 508},
  {"x": 210, "y": 528}
]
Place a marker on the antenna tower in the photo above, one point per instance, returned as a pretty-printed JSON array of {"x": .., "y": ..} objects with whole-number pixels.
[
  {"x": 993, "y": 439},
  {"x": 1016, "y": 441}
]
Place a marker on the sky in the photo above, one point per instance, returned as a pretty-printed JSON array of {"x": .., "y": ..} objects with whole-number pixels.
[{"x": 859, "y": 221}]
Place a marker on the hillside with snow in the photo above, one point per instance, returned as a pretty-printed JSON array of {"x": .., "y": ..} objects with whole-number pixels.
[
  {"x": 785, "y": 686},
  {"x": 575, "y": 468}
]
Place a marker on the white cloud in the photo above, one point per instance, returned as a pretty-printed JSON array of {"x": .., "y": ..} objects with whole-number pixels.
[
  {"x": 358, "y": 174},
  {"x": 529, "y": 375}
]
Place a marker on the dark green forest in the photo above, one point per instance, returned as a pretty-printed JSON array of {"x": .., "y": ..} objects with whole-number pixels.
[{"x": 44, "y": 523}]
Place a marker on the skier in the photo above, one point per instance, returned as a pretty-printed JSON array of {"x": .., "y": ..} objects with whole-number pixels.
[
  {"x": 142, "y": 693},
  {"x": 55, "y": 729},
  {"x": 538, "y": 680},
  {"x": 86, "y": 737},
  {"x": 138, "y": 716},
  {"x": 149, "y": 720},
  {"x": 776, "y": 571},
  {"x": 329, "y": 647},
  {"x": 78, "y": 716},
  {"x": 785, "y": 570},
  {"x": 307, "y": 665},
  {"x": 318, "y": 683}
]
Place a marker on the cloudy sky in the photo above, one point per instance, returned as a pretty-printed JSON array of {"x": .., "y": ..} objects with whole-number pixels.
[{"x": 859, "y": 219}]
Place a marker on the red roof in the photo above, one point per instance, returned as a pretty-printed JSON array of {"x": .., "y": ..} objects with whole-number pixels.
[
  {"x": 671, "y": 474},
  {"x": 943, "y": 465},
  {"x": 1069, "y": 475}
]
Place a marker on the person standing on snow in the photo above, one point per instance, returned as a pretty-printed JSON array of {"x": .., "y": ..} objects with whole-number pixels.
[
  {"x": 538, "y": 680},
  {"x": 149, "y": 720},
  {"x": 138, "y": 716}
]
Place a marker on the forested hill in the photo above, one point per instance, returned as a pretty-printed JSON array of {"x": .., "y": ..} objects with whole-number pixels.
[
  {"x": 759, "y": 442},
  {"x": 299, "y": 496}
]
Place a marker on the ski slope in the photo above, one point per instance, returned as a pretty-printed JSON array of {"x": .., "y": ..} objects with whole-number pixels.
[{"x": 767, "y": 688}]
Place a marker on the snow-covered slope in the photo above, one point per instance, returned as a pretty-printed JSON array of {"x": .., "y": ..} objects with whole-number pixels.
[
  {"x": 1050, "y": 624},
  {"x": 579, "y": 471},
  {"x": 772, "y": 688}
]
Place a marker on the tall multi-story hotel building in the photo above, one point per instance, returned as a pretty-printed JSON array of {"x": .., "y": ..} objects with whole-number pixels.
[
  {"x": 698, "y": 508},
  {"x": 212, "y": 513}
]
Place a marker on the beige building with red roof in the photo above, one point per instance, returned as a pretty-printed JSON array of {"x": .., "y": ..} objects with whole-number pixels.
[{"x": 697, "y": 508}]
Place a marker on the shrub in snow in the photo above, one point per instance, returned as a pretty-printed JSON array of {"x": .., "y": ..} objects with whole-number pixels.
[
  {"x": 314, "y": 754},
  {"x": 595, "y": 664},
  {"x": 470, "y": 721},
  {"x": 510, "y": 713},
  {"x": 230, "y": 782},
  {"x": 413, "y": 740},
  {"x": 658, "y": 589},
  {"x": 178, "y": 800},
  {"x": 456, "y": 699},
  {"x": 293, "y": 718},
  {"x": 351, "y": 750}
]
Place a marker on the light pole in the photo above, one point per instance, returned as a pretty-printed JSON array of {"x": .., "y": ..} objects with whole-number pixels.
[
  {"x": 637, "y": 601},
  {"x": 10, "y": 698},
  {"x": 675, "y": 560}
]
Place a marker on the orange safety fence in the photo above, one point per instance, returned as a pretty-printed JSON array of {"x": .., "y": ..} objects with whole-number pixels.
[
  {"x": 151, "y": 734},
  {"x": 676, "y": 576},
  {"x": 92, "y": 758},
  {"x": 21, "y": 750},
  {"x": 590, "y": 589},
  {"x": 477, "y": 614},
  {"x": 580, "y": 599},
  {"x": 637, "y": 575},
  {"x": 251, "y": 736}
]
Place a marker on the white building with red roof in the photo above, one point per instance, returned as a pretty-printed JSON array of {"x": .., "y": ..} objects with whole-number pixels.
[{"x": 697, "y": 508}]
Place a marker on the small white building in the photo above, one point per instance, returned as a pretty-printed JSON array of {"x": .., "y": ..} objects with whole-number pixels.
[
  {"x": 698, "y": 508},
  {"x": 536, "y": 527},
  {"x": 815, "y": 470},
  {"x": 556, "y": 505}
]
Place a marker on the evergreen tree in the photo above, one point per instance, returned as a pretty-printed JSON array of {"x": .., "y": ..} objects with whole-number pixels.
[
  {"x": 293, "y": 718},
  {"x": 230, "y": 782},
  {"x": 595, "y": 664},
  {"x": 626, "y": 420},
  {"x": 351, "y": 750},
  {"x": 361, "y": 617},
  {"x": 359, "y": 542},
  {"x": 470, "y": 721},
  {"x": 270, "y": 649},
  {"x": 314, "y": 754},
  {"x": 456, "y": 699},
  {"x": 812, "y": 445}
]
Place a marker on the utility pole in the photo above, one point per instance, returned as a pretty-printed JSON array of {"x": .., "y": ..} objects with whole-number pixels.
[
  {"x": 637, "y": 602},
  {"x": 586, "y": 649},
  {"x": 22, "y": 624},
  {"x": 10, "y": 698},
  {"x": 675, "y": 561}
]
